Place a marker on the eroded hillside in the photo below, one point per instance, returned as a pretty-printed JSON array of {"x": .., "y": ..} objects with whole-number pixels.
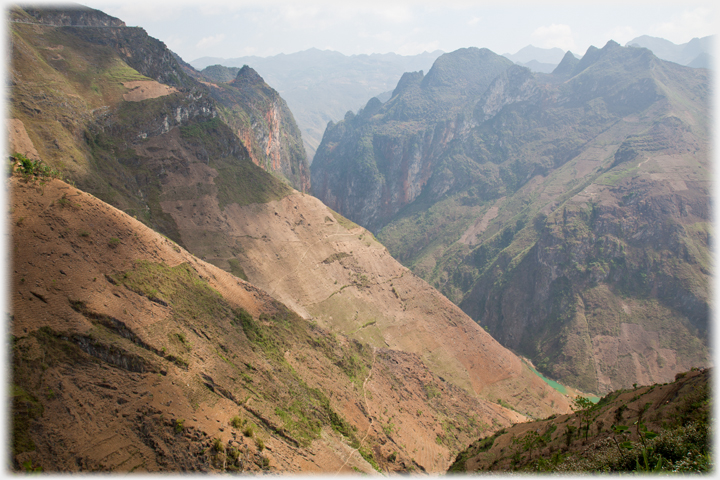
[
  {"x": 130, "y": 354},
  {"x": 335, "y": 272}
]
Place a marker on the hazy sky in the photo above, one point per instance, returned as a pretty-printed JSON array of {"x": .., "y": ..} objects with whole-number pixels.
[{"x": 224, "y": 28}]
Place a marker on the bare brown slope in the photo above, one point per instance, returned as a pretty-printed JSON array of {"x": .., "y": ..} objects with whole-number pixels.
[
  {"x": 326, "y": 268},
  {"x": 115, "y": 370}
]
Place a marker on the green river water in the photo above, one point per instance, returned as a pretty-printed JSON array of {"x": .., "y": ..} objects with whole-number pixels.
[{"x": 559, "y": 387}]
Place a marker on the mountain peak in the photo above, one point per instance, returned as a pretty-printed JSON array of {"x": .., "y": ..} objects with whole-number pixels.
[
  {"x": 407, "y": 79},
  {"x": 566, "y": 65},
  {"x": 247, "y": 76},
  {"x": 466, "y": 68},
  {"x": 591, "y": 56}
]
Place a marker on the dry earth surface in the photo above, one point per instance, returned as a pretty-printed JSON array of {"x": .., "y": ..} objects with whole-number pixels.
[
  {"x": 326, "y": 268},
  {"x": 111, "y": 370},
  {"x": 19, "y": 140}
]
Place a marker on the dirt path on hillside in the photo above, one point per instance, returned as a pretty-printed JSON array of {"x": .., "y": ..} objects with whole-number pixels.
[{"x": 471, "y": 234}]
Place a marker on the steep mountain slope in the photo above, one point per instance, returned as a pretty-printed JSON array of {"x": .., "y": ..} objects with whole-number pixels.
[
  {"x": 90, "y": 97},
  {"x": 336, "y": 273},
  {"x": 376, "y": 162},
  {"x": 321, "y": 85},
  {"x": 130, "y": 354},
  {"x": 264, "y": 123},
  {"x": 164, "y": 154},
  {"x": 567, "y": 213},
  {"x": 660, "y": 428}
]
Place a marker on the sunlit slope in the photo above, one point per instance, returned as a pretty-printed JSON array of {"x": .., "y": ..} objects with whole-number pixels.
[
  {"x": 130, "y": 354},
  {"x": 335, "y": 272}
]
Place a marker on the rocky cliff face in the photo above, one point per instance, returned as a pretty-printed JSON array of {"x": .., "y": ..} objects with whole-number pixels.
[
  {"x": 372, "y": 164},
  {"x": 264, "y": 123},
  {"x": 373, "y": 192},
  {"x": 261, "y": 119},
  {"x": 321, "y": 85},
  {"x": 541, "y": 203}
]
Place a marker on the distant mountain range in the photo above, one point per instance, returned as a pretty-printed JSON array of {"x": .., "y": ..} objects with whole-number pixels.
[
  {"x": 321, "y": 85},
  {"x": 543, "y": 60},
  {"x": 696, "y": 53}
]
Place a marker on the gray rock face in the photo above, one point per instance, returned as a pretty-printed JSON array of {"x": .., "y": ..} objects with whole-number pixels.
[
  {"x": 584, "y": 194},
  {"x": 515, "y": 85},
  {"x": 371, "y": 166}
]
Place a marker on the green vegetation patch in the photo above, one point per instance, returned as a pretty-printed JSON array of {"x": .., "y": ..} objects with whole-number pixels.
[
  {"x": 244, "y": 183},
  {"x": 239, "y": 180},
  {"x": 180, "y": 287},
  {"x": 302, "y": 410},
  {"x": 236, "y": 269},
  {"x": 336, "y": 257},
  {"x": 662, "y": 428},
  {"x": 25, "y": 409},
  {"x": 482, "y": 445},
  {"x": 348, "y": 224},
  {"x": 31, "y": 169}
]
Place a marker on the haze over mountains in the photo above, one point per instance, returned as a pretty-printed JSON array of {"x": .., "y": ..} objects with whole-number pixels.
[
  {"x": 537, "y": 59},
  {"x": 181, "y": 302},
  {"x": 697, "y": 53},
  {"x": 321, "y": 85},
  {"x": 566, "y": 213}
]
